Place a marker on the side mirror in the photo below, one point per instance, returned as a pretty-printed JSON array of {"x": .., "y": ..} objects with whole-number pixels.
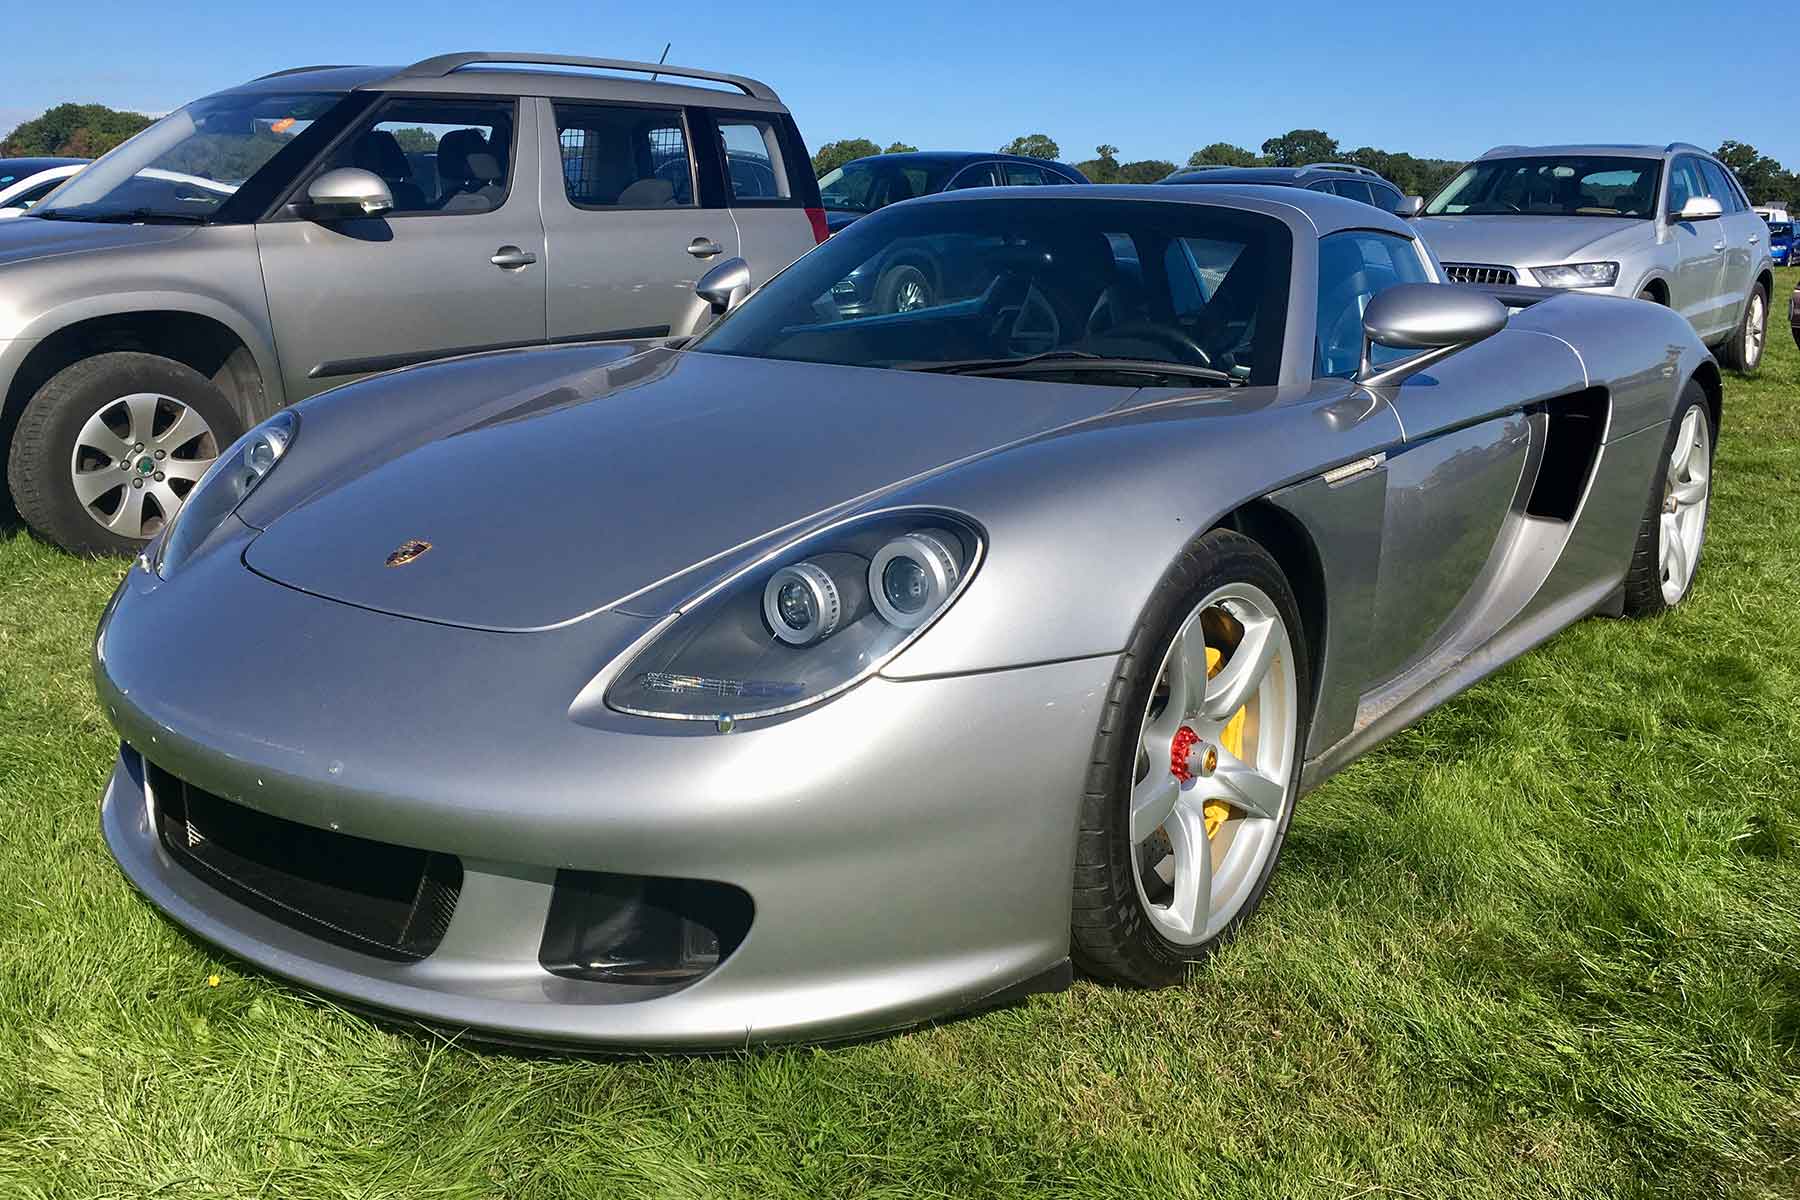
[
  {"x": 347, "y": 193},
  {"x": 1410, "y": 207},
  {"x": 1434, "y": 317},
  {"x": 1700, "y": 208},
  {"x": 725, "y": 286}
]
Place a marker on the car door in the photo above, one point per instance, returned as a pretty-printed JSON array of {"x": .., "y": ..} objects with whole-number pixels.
[
  {"x": 1743, "y": 234},
  {"x": 455, "y": 266},
  {"x": 1699, "y": 275},
  {"x": 768, "y": 184},
  {"x": 626, "y": 220}
]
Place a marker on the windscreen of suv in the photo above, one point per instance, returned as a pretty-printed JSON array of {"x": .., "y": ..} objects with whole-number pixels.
[
  {"x": 184, "y": 167},
  {"x": 1552, "y": 186},
  {"x": 869, "y": 183}
]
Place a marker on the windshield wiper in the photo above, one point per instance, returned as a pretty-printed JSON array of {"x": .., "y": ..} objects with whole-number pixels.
[
  {"x": 132, "y": 216},
  {"x": 1076, "y": 360}
]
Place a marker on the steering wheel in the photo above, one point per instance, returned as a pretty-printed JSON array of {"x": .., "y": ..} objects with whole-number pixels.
[{"x": 1177, "y": 341}]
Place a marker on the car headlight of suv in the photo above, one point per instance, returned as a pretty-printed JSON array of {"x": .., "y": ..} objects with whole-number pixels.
[
  {"x": 806, "y": 623},
  {"x": 232, "y": 477},
  {"x": 1578, "y": 275}
]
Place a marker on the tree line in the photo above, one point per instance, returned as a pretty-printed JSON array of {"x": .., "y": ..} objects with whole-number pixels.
[{"x": 90, "y": 130}]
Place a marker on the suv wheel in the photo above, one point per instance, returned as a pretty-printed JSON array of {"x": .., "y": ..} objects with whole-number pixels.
[
  {"x": 1744, "y": 352},
  {"x": 110, "y": 446}
]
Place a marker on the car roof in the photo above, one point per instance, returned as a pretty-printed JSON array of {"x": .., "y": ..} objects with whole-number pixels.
[
  {"x": 530, "y": 74},
  {"x": 1324, "y": 212},
  {"x": 945, "y": 157},
  {"x": 19, "y": 166},
  {"x": 1598, "y": 150}
]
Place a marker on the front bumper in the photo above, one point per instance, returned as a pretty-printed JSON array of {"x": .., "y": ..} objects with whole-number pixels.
[{"x": 908, "y": 847}]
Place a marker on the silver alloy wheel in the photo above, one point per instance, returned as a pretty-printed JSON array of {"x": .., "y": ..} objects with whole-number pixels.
[
  {"x": 912, "y": 295},
  {"x": 1756, "y": 328},
  {"x": 1192, "y": 885},
  {"x": 1686, "y": 490},
  {"x": 137, "y": 458}
]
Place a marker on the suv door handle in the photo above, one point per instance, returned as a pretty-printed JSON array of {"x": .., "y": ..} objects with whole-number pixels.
[
  {"x": 512, "y": 256},
  {"x": 704, "y": 247},
  {"x": 1755, "y": 238},
  {"x": 1718, "y": 245}
]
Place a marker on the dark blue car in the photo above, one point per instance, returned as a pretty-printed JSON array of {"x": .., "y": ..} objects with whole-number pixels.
[
  {"x": 1781, "y": 242},
  {"x": 863, "y": 185}
]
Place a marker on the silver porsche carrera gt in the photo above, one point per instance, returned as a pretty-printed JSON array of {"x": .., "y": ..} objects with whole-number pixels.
[{"x": 844, "y": 667}]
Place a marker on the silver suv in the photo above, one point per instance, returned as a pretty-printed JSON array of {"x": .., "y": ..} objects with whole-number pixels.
[
  {"x": 1664, "y": 223},
  {"x": 285, "y": 236}
]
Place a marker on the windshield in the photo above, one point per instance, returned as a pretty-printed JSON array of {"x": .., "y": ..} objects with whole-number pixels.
[
  {"x": 184, "y": 167},
  {"x": 1149, "y": 293},
  {"x": 1559, "y": 186},
  {"x": 871, "y": 183}
]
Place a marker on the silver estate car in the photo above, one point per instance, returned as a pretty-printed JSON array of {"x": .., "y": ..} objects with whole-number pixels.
[
  {"x": 314, "y": 225},
  {"x": 1669, "y": 224}
]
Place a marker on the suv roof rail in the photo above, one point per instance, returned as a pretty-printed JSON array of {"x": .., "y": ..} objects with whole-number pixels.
[
  {"x": 445, "y": 64},
  {"x": 1674, "y": 146},
  {"x": 304, "y": 70},
  {"x": 1340, "y": 166}
]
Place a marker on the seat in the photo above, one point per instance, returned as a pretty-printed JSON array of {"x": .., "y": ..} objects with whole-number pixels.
[
  {"x": 469, "y": 172},
  {"x": 648, "y": 193},
  {"x": 379, "y": 152}
]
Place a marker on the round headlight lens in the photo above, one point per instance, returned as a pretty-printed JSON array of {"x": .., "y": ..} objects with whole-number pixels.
[
  {"x": 801, "y": 604},
  {"x": 912, "y": 576}
]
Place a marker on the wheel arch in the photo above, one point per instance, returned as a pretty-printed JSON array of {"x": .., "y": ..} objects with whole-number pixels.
[
  {"x": 1657, "y": 286},
  {"x": 1713, "y": 384},
  {"x": 1291, "y": 545}
]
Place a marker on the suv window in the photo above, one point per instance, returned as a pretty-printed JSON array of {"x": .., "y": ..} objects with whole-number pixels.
[
  {"x": 1685, "y": 183},
  {"x": 753, "y": 161},
  {"x": 1719, "y": 187},
  {"x": 1021, "y": 175},
  {"x": 615, "y": 156},
  {"x": 1353, "y": 189},
  {"x": 1385, "y": 197},
  {"x": 1354, "y": 268},
  {"x": 979, "y": 175},
  {"x": 436, "y": 156}
]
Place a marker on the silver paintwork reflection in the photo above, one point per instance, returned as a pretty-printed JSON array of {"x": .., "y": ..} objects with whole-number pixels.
[{"x": 900, "y": 866}]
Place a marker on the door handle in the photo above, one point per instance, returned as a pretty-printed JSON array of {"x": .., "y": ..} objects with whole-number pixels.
[
  {"x": 1755, "y": 238},
  {"x": 704, "y": 247},
  {"x": 511, "y": 256},
  {"x": 1718, "y": 245}
]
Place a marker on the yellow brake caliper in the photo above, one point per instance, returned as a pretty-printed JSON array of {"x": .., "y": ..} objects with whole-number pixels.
[{"x": 1231, "y": 741}]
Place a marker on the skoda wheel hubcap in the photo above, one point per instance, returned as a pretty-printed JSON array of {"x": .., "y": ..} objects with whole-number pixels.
[
  {"x": 136, "y": 459},
  {"x": 1215, "y": 764}
]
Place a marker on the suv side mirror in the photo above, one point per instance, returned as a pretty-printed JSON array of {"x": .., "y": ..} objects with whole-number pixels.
[
  {"x": 347, "y": 193},
  {"x": 1700, "y": 208},
  {"x": 725, "y": 286},
  {"x": 1434, "y": 317},
  {"x": 1410, "y": 207}
]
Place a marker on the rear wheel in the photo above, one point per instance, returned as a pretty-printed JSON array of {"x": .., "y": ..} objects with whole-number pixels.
[
  {"x": 1196, "y": 767},
  {"x": 110, "y": 446},
  {"x": 903, "y": 289},
  {"x": 1744, "y": 352},
  {"x": 1666, "y": 557}
]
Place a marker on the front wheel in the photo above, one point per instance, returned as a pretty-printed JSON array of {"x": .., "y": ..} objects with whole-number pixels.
[
  {"x": 110, "y": 446},
  {"x": 1666, "y": 557},
  {"x": 1744, "y": 352},
  {"x": 1196, "y": 767},
  {"x": 903, "y": 289}
]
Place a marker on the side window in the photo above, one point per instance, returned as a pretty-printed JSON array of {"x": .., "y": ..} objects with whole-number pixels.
[
  {"x": 753, "y": 160},
  {"x": 1354, "y": 189},
  {"x": 1386, "y": 198},
  {"x": 35, "y": 192},
  {"x": 1718, "y": 186},
  {"x": 1684, "y": 183},
  {"x": 1355, "y": 267},
  {"x": 1022, "y": 175},
  {"x": 436, "y": 156},
  {"x": 979, "y": 175},
  {"x": 1324, "y": 185},
  {"x": 618, "y": 157}
]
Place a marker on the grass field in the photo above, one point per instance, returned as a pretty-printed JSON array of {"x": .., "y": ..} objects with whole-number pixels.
[{"x": 1545, "y": 944}]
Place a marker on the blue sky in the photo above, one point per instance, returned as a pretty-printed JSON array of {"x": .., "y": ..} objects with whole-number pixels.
[{"x": 1157, "y": 80}]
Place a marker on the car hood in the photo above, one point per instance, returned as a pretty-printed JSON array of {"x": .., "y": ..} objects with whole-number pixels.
[
  {"x": 25, "y": 238},
  {"x": 607, "y": 481},
  {"x": 1523, "y": 241}
]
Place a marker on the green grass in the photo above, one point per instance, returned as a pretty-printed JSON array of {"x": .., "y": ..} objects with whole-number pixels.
[{"x": 1545, "y": 944}]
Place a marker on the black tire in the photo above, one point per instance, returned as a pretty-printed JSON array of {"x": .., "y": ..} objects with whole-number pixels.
[
  {"x": 1643, "y": 579},
  {"x": 903, "y": 284},
  {"x": 1738, "y": 352},
  {"x": 43, "y": 445},
  {"x": 1111, "y": 937}
]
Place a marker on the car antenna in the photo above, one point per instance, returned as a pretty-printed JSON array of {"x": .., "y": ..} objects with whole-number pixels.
[{"x": 662, "y": 60}]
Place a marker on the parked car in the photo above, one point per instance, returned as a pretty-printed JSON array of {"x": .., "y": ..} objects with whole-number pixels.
[
  {"x": 1794, "y": 314},
  {"x": 1340, "y": 179},
  {"x": 826, "y": 675},
  {"x": 314, "y": 225},
  {"x": 25, "y": 181},
  {"x": 1668, "y": 224},
  {"x": 1781, "y": 242},
  {"x": 1772, "y": 212},
  {"x": 862, "y": 185}
]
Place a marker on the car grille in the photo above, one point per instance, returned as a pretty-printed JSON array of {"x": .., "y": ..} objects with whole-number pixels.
[
  {"x": 1479, "y": 273},
  {"x": 392, "y": 902}
]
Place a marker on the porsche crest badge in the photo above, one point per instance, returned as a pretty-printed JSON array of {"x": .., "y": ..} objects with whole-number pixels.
[{"x": 406, "y": 551}]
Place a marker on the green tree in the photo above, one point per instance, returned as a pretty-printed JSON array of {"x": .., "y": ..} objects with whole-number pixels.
[
  {"x": 416, "y": 140},
  {"x": 1763, "y": 177},
  {"x": 833, "y": 155},
  {"x": 1103, "y": 167},
  {"x": 1223, "y": 154},
  {"x": 900, "y": 148},
  {"x": 1033, "y": 145},
  {"x": 1299, "y": 146},
  {"x": 1413, "y": 176},
  {"x": 1146, "y": 170},
  {"x": 77, "y": 130}
]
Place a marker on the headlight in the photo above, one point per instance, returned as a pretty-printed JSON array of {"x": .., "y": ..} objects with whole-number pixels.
[
  {"x": 226, "y": 483},
  {"x": 805, "y": 623},
  {"x": 1578, "y": 275}
]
